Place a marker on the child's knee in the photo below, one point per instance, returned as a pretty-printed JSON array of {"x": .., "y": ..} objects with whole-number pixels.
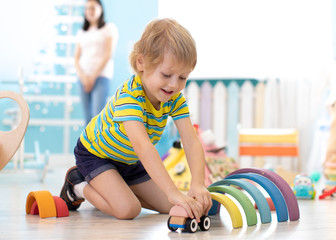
[{"x": 128, "y": 212}]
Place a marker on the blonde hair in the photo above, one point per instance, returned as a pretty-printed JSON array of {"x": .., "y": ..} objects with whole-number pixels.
[{"x": 160, "y": 36}]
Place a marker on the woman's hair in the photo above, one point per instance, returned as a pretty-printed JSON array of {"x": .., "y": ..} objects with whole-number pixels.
[
  {"x": 101, "y": 21},
  {"x": 160, "y": 36}
]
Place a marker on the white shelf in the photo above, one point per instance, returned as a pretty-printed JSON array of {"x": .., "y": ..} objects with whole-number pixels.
[
  {"x": 65, "y": 39},
  {"x": 51, "y": 78},
  {"x": 55, "y": 60},
  {"x": 70, "y": 3},
  {"x": 68, "y": 19},
  {"x": 51, "y": 98},
  {"x": 48, "y": 122}
]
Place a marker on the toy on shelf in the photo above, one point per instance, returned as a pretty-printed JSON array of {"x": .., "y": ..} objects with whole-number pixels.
[
  {"x": 303, "y": 187},
  {"x": 11, "y": 140},
  {"x": 46, "y": 205},
  {"x": 179, "y": 219}
]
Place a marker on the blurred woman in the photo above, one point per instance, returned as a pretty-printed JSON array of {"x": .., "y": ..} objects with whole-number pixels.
[{"x": 94, "y": 58}]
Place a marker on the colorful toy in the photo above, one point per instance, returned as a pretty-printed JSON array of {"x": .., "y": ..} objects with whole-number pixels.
[
  {"x": 11, "y": 140},
  {"x": 281, "y": 196},
  {"x": 231, "y": 207},
  {"x": 46, "y": 205},
  {"x": 245, "y": 202},
  {"x": 218, "y": 165},
  {"x": 178, "y": 168},
  {"x": 255, "y": 193},
  {"x": 179, "y": 219},
  {"x": 330, "y": 168},
  {"x": 271, "y": 189},
  {"x": 327, "y": 193},
  {"x": 281, "y": 184},
  {"x": 270, "y": 204},
  {"x": 303, "y": 187}
]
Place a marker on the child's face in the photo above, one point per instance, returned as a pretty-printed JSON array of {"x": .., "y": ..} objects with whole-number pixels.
[{"x": 166, "y": 80}]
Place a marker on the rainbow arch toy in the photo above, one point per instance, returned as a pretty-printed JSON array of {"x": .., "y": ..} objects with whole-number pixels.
[
  {"x": 284, "y": 200},
  {"x": 46, "y": 205}
]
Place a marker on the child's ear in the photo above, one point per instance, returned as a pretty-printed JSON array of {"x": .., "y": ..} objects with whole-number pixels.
[{"x": 140, "y": 63}]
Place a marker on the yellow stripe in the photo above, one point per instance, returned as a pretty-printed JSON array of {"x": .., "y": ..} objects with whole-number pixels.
[{"x": 269, "y": 136}]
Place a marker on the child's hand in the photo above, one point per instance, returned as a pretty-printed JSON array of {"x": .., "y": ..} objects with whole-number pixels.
[
  {"x": 202, "y": 195},
  {"x": 193, "y": 207}
]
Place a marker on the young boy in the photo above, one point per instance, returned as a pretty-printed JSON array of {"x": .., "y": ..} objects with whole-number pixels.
[{"x": 118, "y": 168}]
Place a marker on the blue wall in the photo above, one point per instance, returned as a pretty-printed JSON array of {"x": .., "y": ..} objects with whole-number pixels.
[{"x": 130, "y": 17}]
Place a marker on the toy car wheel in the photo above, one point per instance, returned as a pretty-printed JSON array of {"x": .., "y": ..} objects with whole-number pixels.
[
  {"x": 205, "y": 223},
  {"x": 191, "y": 225},
  {"x": 180, "y": 168},
  {"x": 169, "y": 227}
]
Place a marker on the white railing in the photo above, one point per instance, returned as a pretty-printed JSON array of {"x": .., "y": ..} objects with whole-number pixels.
[{"x": 222, "y": 104}]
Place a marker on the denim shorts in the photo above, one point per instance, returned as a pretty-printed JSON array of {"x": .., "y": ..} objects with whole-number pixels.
[{"x": 91, "y": 166}]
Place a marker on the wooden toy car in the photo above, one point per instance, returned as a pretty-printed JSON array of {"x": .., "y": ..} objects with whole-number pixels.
[{"x": 179, "y": 219}]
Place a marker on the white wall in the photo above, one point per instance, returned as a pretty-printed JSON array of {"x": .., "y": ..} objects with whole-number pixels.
[
  {"x": 259, "y": 38},
  {"x": 24, "y": 27}
]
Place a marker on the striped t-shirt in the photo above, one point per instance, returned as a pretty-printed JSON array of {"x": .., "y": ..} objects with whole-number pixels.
[{"x": 105, "y": 135}]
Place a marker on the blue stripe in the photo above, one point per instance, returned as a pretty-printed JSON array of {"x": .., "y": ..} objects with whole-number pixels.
[
  {"x": 183, "y": 105},
  {"x": 175, "y": 101},
  {"x": 128, "y": 106},
  {"x": 128, "y": 118},
  {"x": 162, "y": 118},
  {"x": 102, "y": 139},
  {"x": 139, "y": 98},
  {"x": 154, "y": 135},
  {"x": 180, "y": 116},
  {"x": 119, "y": 132},
  {"x": 155, "y": 128},
  {"x": 115, "y": 140}
]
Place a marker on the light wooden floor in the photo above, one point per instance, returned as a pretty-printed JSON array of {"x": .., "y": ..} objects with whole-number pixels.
[{"x": 318, "y": 219}]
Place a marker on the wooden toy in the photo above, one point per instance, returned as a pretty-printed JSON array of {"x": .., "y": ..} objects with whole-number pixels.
[
  {"x": 179, "y": 219},
  {"x": 281, "y": 199},
  {"x": 231, "y": 207},
  {"x": 10, "y": 141},
  {"x": 282, "y": 185},
  {"x": 46, "y": 205},
  {"x": 271, "y": 189},
  {"x": 255, "y": 193},
  {"x": 245, "y": 202}
]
